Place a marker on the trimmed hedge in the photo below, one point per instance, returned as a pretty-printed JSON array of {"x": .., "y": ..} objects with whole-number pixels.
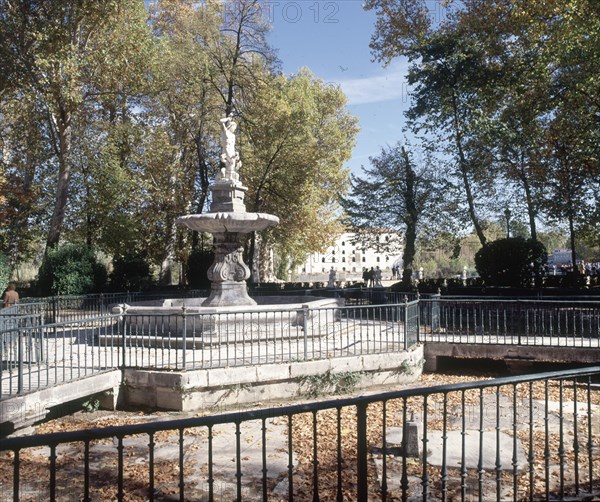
[
  {"x": 131, "y": 272},
  {"x": 71, "y": 270},
  {"x": 511, "y": 262}
]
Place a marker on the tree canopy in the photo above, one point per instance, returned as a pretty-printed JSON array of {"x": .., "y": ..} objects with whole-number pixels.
[{"x": 109, "y": 127}]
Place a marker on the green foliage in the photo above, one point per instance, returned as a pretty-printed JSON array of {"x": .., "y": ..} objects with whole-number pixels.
[
  {"x": 198, "y": 264},
  {"x": 4, "y": 272},
  {"x": 510, "y": 262},
  {"x": 71, "y": 270},
  {"x": 345, "y": 382},
  {"x": 91, "y": 405},
  {"x": 131, "y": 272}
]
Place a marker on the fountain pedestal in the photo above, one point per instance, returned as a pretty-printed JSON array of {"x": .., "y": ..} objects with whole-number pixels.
[{"x": 228, "y": 273}]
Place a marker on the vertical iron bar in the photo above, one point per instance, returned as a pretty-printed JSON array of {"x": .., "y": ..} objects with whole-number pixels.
[
  {"x": 463, "y": 447},
  {"x": 480, "y": 469},
  {"x": 498, "y": 460},
  {"x": 561, "y": 441},
  {"x": 546, "y": 441},
  {"x": 181, "y": 466},
  {"x": 86, "y": 472},
  {"x": 384, "y": 470},
  {"x": 404, "y": 478},
  {"x": 290, "y": 461},
  {"x": 183, "y": 335},
  {"x": 361, "y": 452},
  {"x": 340, "y": 492},
  {"x": 151, "y": 466},
  {"x": 52, "y": 459},
  {"x": 264, "y": 459},
  {"x": 238, "y": 459},
  {"x": 576, "y": 436},
  {"x": 305, "y": 327},
  {"x": 211, "y": 480},
  {"x": 531, "y": 457},
  {"x": 425, "y": 477},
  {"x": 315, "y": 459},
  {"x": 120, "y": 494},
  {"x": 515, "y": 460},
  {"x": 20, "y": 356},
  {"x": 590, "y": 437},
  {"x": 16, "y": 475},
  {"x": 444, "y": 467}
]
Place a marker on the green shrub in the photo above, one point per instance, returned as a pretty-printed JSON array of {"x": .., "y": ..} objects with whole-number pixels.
[
  {"x": 511, "y": 262},
  {"x": 4, "y": 272},
  {"x": 198, "y": 264},
  {"x": 71, "y": 270},
  {"x": 131, "y": 272}
]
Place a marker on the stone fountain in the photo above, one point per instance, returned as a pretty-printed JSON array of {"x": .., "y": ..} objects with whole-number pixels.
[{"x": 228, "y": 221}]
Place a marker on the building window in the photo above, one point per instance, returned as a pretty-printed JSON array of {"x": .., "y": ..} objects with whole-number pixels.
[
  {"x": 344, "y": 269},
  {"x": 364, "y": 259},
  {"x": 303, "y": 269},
  {"x": 343, "y": 260},
  {"x": 354, "y": 258},
  {"x": 323, "y": 259},
  {"x": 333, "y": 260},
  {"x": 378, "y": 259},
  {"x": 343, "y": 243}
]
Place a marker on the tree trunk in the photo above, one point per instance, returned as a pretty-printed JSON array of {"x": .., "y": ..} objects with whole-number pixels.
[
  {"x": 531, "y": 212},
  {"x": 462, "y": 162},
  {"x": 63, "y": 125},
  {"x": 410, "y": 219}
]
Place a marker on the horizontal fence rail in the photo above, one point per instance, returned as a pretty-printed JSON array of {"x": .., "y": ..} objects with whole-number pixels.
[{"x": 532, "y": 437}]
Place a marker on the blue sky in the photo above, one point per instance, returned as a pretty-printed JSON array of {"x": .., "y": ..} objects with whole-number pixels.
[{"x": 331, "y": 38}]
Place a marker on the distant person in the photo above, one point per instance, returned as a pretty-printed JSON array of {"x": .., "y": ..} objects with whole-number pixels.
[
  {"x": 377, "y": 278},
  {"x": 11, "y": 297},
  {"x": 331, "y": 282},
  {"x": 371, "y": 277}
]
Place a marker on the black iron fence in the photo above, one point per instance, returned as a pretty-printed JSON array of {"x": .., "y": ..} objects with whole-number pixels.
[
  {"x": 532, "y": 437},
  {"x": 502, "y": 321},
  {"x": 36, "y": 355}
]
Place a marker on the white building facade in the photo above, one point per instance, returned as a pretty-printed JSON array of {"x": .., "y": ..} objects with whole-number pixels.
[{"x": 349, "y": 258}]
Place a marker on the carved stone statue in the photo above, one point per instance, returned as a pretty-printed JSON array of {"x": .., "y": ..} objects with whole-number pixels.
[{"x": 230, "y": 157}]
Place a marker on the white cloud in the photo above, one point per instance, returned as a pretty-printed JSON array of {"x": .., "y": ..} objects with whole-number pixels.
[{"x": 391, "y": 85}]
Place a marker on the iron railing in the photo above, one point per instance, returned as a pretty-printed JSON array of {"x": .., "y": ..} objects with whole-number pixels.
[
  {"x": 41, "y": 355},
  {"x": 531, "y": 437},
  {"x": 521, "y": 322}
]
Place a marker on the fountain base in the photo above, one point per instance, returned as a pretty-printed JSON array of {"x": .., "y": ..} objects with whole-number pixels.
[{"x": 228, "y": 293}]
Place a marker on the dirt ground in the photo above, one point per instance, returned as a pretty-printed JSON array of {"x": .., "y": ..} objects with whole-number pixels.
[{"x": 549, "y": 452}]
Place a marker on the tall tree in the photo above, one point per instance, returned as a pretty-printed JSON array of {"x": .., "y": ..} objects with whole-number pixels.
[
  {"x": 393, "y": 194},
  {"x": 297, "y": 135}
]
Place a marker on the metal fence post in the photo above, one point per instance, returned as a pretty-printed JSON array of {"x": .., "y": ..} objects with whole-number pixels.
[
  {"x": 406, "y": 328},
  {"x": 123, "y": 334},
  {"x": 184, "y": 334},
  {"x": 20, "y": 355},
  {"x": 305, "y": 328},
  {"x": 418, "y": 313}
]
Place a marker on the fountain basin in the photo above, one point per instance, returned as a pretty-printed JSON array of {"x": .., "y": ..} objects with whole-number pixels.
[
  {"x": 274, "y": 317},
  {"x": 230, "y": 222}
]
